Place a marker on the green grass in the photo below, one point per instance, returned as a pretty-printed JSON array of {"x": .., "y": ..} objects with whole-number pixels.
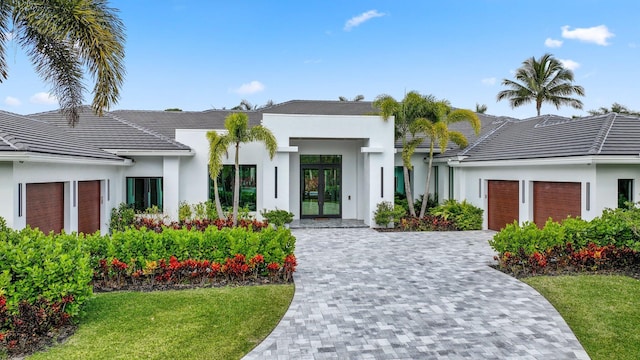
[
  {"x": 603, "y": 311},
  {"x": 218, "y": 323}
]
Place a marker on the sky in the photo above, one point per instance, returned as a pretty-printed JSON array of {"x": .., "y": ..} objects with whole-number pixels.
[{"x": 204, "y": 54}]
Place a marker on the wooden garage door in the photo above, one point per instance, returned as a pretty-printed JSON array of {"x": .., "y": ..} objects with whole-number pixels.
[
  {"x": 45, "y": 206},
  {"x": 503, "y": 203},
  {"x": 88, "y": 206},
  {"x": 555, "y": 200}
]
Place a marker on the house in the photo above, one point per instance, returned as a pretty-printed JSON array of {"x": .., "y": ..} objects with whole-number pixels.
[{"x": 334, "y": 159}]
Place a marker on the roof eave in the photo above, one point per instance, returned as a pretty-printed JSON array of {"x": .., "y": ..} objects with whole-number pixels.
[
  {"x": 138, "y": 152},
  {"x": 570, "y": 160},
  {"x": 26, "y": 156}
]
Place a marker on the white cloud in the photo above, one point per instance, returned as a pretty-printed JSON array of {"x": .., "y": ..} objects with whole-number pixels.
[
  {"x": 12, "y": 101},
  {"x": 569, "y": 64},
  {"x": 9, "y": 35},
  {"x": 357, "y": 20},
  {"x": 43, "y": 98},
  {"x": 552, "y": 43},
  {"x": 489, "y": 81},
  {"x": 250, "y": 88},
  {"x": 597, "y": 34}
]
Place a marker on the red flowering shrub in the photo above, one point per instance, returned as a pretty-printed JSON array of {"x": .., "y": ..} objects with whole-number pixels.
[
  {"x": 158, "y": 225},
  {"x": 427, "y": 223}
]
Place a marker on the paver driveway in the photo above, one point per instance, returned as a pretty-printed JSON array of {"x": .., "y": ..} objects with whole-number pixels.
[{"x": 361, "y": 294}]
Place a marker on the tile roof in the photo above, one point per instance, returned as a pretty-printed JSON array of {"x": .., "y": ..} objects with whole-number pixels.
[
  {"x": 111, "y": 131},
  {"x": 322, "y": 107},
  {"x": 166, "y": 122},
  {"x": 553, "y": 136},
  {"x": 23, "y": 134}
]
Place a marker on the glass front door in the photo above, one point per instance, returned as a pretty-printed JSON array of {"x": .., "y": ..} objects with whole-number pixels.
[{"x": 321, "y": 191}]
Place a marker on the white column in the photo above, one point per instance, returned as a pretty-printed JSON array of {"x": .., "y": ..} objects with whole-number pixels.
[{"x": 171, "y": 186}]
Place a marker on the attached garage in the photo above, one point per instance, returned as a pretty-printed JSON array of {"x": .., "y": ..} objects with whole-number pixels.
[
  {"x": 555, "y": 200},
  {"x": 503, "y": 203},
  {"x": 45, "y": 206},
  {"x": 88, "y": 206}
]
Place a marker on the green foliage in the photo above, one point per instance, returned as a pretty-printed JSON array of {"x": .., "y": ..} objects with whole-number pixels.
[
  {"x": 464, "y": 215},
  {"x": 387, "y": 213},
  {"x": 136, "y": 247},
  {"x": 184, "y": 211},
  {"x": 37, "y": 266},
  {"x": 617, "y": 227},
  {"x": 121, "y": 217},
  {"x": 277, "y": 217}
]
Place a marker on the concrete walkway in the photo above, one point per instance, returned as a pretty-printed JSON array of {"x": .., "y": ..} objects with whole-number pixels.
[{"x": 361, "y": 294}]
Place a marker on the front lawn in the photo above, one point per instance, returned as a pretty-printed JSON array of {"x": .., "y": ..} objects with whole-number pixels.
[
  {"x": 211, "y": 323},
  {"x": 603, "y": 311}
]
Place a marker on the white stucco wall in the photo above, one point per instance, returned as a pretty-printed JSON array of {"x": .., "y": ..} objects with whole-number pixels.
[
  {"x": 607, "y": 184},
  {"x": 68, "y": 173},
  {"x": 471, "y": 184},
  {"x": 8, "y": 196}
]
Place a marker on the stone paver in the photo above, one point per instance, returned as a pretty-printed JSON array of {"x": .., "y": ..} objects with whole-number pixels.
[{"x": 361, "y": 294}]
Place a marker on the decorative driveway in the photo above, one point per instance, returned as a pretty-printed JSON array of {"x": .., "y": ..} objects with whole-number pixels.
[{"x": 361, "y": 294}]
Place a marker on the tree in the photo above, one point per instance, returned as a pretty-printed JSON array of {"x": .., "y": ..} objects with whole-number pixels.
[
  {"x": 238, "y": 132},
  {"x": 61, "y": 39},
  {"x": 356, "y": 98},
  {"x": 218, "y": 145},
  {"x": 543, "y": 80},
  {"x": 615, "y": 108},
  {"x": 245, "y": 105},
  {"x": 435, "y": 127},
  {"x": 481, "y": 109},
  {"x": 173, "y": 109},
  {"x": 413, "y": 107}
]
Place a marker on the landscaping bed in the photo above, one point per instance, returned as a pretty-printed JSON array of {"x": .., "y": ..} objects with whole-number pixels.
[{"x": 46, "y": 279}]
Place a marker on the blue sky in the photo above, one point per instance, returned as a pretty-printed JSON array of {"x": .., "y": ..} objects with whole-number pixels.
[{"x": 198, "y": 55}]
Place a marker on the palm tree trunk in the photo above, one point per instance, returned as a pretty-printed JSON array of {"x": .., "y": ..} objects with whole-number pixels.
[
  {"x": 407, "y": 191},
  {"x": 236, "y": 187},
  {"x": 216, "y": 197},
  {"x": 425, "y": 197}
]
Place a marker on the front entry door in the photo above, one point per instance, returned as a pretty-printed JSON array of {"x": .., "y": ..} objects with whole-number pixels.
[{"x": 321, "y": 190}]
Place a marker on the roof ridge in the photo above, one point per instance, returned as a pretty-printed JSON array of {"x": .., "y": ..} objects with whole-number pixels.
[
  {"x": 485, "y": 136},
  {"x": 3, "y": 138},
  {"x": 601, "y": 138},
  {"x": 145, "y": 130}
]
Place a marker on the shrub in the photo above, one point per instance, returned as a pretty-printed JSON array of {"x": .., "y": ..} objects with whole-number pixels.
[
  {"x": 387, "y": 213},
  {"x": 184, "y": 211},
  {"x": 427, "y": 223},
  {"x": 122, "y": 217},
  {"x": 465, "y": 216},
  {"x": 278, "y": 217}
]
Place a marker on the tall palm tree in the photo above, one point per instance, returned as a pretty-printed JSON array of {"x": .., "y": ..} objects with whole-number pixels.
[
  {"x": 481, "y": 109},
  {"x": 64, "y": 37},
  {"x": 542, "y": 80},
  {"x": 218, "y": 145},
  {"x": 356, "y": 98},
  {"x": 238, "y": 132},
  {"x": 413, "y": 107},
  {"x": 615, "y": 108},
  {"x": 436, "y": 129}
]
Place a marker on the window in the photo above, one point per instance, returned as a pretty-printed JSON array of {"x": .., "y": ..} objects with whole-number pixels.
[
  {"x": 247, "y": 186},
  {"x": 399, "y": 181},
  {"x": 625, "y": 192},
  {"x": 144, "y": 192},
  {"x": 451, "y": 192}
]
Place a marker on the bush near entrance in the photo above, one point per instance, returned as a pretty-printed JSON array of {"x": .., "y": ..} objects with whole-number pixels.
[
  {"x": 46, "y": 278},
  {"x": 610, "y": 242}
]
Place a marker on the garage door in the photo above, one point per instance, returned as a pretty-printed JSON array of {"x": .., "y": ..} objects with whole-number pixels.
[
  {"x": 555, "y": 200},
  {"x": 45, "y": 206},
  {"x": 88, "y": 206},
  {"x": 503, "y": 203}
]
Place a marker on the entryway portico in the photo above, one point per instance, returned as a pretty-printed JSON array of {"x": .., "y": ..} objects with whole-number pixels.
[{"x": 320, "y": 172}]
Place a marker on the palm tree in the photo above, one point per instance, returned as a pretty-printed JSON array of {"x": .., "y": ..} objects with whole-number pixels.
[
  {"x": 413, "y": 107},
  {"x": 543, "y": 80},
  {"x": 615, "y": 108},
  {"x": 436, "y": 129},
  {"x": 62, "y": 38},
  {"x": 356, "y": 98},
  {"x": 481, "y": 109},
  {"x": 238, "y": 132},
  {"x": 218, "y": 145}
]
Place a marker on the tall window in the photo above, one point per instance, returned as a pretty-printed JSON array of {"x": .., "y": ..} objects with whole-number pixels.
[
  {"x": 144, "y": 192},
  {"x": 451, "y": 184},
  {"x": 247, "y": 186},
  {"x": 625, "y": 192}
]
